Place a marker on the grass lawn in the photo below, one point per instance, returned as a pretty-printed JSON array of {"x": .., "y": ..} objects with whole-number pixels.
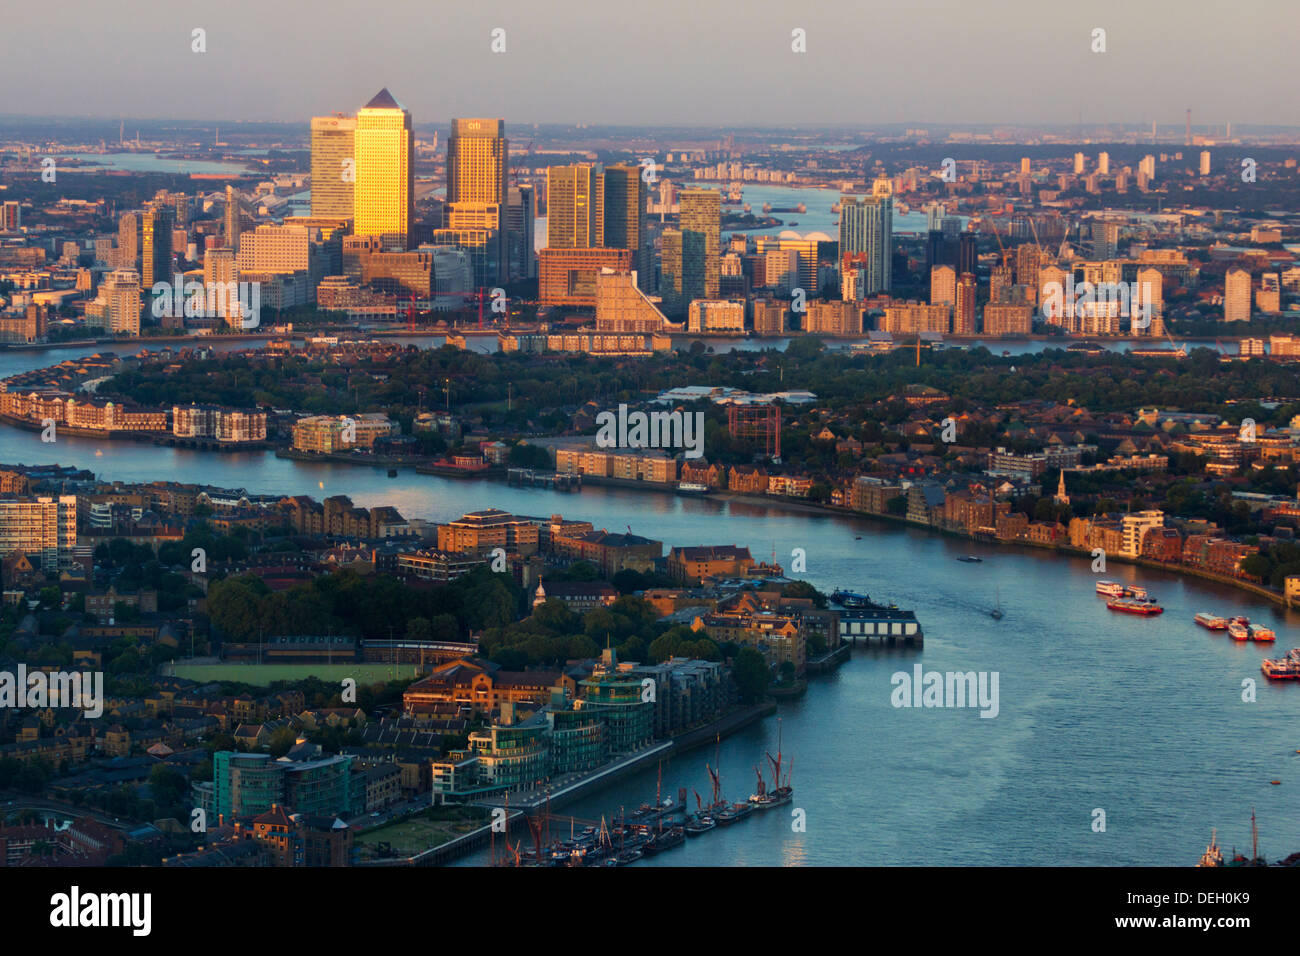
[
  {"x": 415, "y": 836},
  {"x": 262, "y": 675}
]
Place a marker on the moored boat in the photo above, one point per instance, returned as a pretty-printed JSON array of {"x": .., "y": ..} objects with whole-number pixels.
[
  {"x": 1282, "y": 668},
  {"x": 1212, "y": 622},
  {"x": 1239, "y": 629},
  {"x": 1134, "y": 607},
  {"x": 1262, "y": 634},
  {"x": 1110, "y": 588},
  {"x": 699, "y": 825}
]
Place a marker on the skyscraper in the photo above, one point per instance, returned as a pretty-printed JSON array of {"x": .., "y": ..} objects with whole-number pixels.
[
  {"x": 128, "y": 239},
  {"x": 232, "y": 224},
  {"x": 625, "y": 200},
  {"x": 156, "y": 245},
  {"x": 333, "y": 169},
  {"x": 521, "y": 215},
  {"x": 866, "y": 228},
  {"x": 478, "y": 159},
  {"x": 1236, "y": 296},
  {"x": 575, "y": 207},
  {"x": 963, "y": 313},
  {"x": 384, "y": 191},
  {"x": 701, "y": 225}
]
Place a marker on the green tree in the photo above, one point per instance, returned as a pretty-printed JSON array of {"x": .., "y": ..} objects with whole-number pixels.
[{"x": 751, "y": 674}]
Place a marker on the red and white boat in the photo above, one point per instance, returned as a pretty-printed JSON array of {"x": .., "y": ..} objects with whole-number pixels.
[
  {"x": 1283, "y": 668},
  {"x": 1212, "y": 622},
  {"x": 1262, "y": 634},
  {"x": 1239, "y": 629},
  {"x": 1111, "y": 588},
  {"x": 1144, "y": 608}
]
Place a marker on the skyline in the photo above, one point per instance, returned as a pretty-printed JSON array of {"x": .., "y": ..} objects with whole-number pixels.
[{"x": 726, "y": 64}]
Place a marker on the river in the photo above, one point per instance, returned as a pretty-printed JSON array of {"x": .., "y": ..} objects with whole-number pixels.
[{"x": 1140, "y": 718}]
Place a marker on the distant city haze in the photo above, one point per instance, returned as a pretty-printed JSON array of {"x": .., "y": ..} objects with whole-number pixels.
[{"x": 718, "y": 62}]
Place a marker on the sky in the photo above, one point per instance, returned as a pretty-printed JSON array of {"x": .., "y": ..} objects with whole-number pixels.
[{"x": 695, "y": 62}]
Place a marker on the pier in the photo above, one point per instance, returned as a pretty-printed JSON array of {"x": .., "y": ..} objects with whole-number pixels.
[{"x": 554, "y": 480}]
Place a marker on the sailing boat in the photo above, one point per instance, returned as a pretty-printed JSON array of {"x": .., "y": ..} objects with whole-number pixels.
[
  {"x": 996, "y": 613},
  {"x": 783, "y": 791}
]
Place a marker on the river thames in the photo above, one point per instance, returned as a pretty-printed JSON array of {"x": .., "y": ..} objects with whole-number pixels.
[{"x": 1143, "y": 719}]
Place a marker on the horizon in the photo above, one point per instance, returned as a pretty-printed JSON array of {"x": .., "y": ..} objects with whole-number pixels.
[{"x": 680, "y": 64}]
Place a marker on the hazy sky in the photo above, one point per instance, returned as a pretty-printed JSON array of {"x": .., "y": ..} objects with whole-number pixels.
[{"x": 719, "y": 62}]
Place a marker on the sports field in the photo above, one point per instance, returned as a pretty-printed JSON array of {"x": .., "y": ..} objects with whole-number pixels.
[{"x": 262, "y": 675}]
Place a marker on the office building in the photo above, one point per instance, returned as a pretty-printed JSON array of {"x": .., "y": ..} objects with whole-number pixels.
[
  {"x": 567, "y": 277},
  {"x": 477, "y": 168},
  {"x": 622, "y": 308},
  {"x": 625, "y": 225},
  {"x": 575, "y": 207},
  {"x": 521, "y": 217},
  {"x": 333, "y": 165},
  {"x": 384, "y": 193}
]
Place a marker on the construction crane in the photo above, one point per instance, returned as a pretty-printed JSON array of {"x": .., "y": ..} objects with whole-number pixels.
[{"x": 478, "y": 295}]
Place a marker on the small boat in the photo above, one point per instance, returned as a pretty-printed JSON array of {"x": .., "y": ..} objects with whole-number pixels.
[
  {"x": 1212, "y": 856},
  {"x": 392, "y": 472},
  {"x": 1111, "y": 588},
  {"x": 972, "y": 559},
  {"x": 1239, "y": 629},
  {"x": 996, "y": 612},
  {"x": 674, "y": 836},
  {"x": 1134, "y": 607},
  {"x": 857, "y": 601},
  {"x": 734, "y": 813},
  {"x": 698, "y": 826},
  {"x": 692, "y": 488},
  {"x": 1134, "y": 591},
  {"x": 1212, "y": 622}
]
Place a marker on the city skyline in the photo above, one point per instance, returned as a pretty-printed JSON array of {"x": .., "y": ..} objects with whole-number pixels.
[{"x": 684, "y": 64}]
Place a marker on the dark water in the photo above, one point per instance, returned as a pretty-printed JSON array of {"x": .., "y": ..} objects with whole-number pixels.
[{"x": 1142, "y": 718}]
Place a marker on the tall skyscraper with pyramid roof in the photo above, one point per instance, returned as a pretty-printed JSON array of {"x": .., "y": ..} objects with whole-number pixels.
[{"x": 384, "y": 192}]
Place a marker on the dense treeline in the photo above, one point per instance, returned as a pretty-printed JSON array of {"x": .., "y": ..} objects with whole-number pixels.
[{"x": 538, "y": 386}]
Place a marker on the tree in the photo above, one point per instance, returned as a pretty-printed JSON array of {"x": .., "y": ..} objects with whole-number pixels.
[
  {"x": 282, "y": 741},
  {"x": 802, "y": 589},
  {"x": 751, "y": 674}
]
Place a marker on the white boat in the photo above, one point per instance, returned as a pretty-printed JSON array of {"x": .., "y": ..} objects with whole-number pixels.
[{"x": 1111, "y": 588}]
